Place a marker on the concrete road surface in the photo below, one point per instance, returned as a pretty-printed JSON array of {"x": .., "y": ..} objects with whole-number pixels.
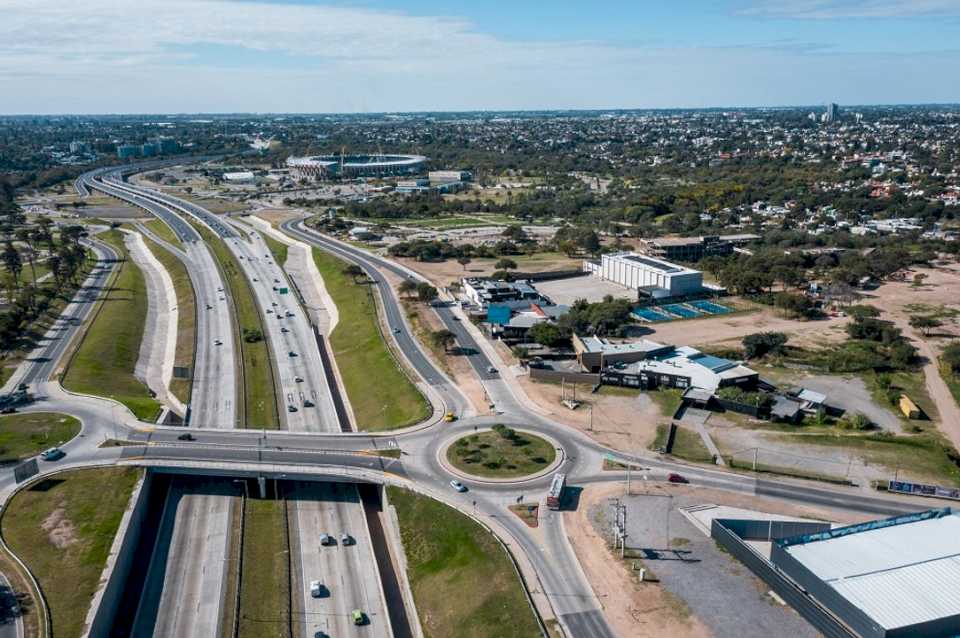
[
  {"x": 185, "y": 585},
  {"x": 348, "y": 572}
]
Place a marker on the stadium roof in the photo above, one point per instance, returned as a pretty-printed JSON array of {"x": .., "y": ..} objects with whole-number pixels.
[{"x": 900, "y": 572}]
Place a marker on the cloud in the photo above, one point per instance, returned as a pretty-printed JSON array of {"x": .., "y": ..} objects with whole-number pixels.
[{"x": 842, "y": 9}]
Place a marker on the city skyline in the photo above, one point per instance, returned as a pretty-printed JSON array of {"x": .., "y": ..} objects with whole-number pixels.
[{"x": 307, "y": 57}]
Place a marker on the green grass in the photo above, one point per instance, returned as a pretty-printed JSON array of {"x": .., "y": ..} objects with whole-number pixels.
[
  {"x": 260, "y": 405},
  {"x": 909, "y": 382},
  {"x": 265, "y": 578},
  {"x": 687, "y": 444},
  {"x": 278, "y": 248},
  {"x": 923, "y": 456},
  {"x": 164, "y": 232},
  {"x": 491, "y": 454},
  {"x": 104, "y": 363},
  {"x": 24, "y": 435},
  {"x": 380, "y": 392},
  {"x": 668, "y": 400},
  {"x": 463, "y": 582},
  {"x": 62, "y": 528},
  {"x": 186, "y": 316}
]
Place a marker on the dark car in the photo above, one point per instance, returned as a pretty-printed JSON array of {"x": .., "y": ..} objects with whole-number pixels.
[
  {"x": 186, "y": 436},
  {"x": 676, "y": 478}
]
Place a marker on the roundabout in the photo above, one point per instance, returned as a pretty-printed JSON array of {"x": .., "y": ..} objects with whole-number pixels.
[{"x": 501, "y": 454}]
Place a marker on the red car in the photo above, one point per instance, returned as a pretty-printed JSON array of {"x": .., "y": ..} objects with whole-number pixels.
[{"x": 676, "y": 478}]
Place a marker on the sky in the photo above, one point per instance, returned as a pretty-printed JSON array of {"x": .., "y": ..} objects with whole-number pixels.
[{"x": 310, "y": 56}]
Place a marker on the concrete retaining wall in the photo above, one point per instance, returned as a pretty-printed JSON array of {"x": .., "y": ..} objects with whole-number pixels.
[{"x": 106, "y": 601}]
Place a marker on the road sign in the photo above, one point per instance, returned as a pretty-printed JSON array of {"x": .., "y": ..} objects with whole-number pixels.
[
  {"x": 181, "y": 372},
  {"x": 284, "y": 291},
  {"x": 25, "y": 470}
]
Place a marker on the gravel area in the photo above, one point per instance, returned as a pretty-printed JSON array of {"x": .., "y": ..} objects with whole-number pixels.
[{"x": 718, "y": 590}]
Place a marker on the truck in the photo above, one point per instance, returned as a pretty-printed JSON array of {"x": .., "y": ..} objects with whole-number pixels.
[{"x": 555, "y": 495}]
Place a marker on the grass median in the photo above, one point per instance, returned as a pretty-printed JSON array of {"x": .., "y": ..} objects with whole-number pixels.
[
  {"x": 260, "y": 405},
  {"x": 186, "y": 316},
  {"x": 164, "y": 232},
  {"x": 382, "y": 395},
  {"x": 448, "y": 556},
  {"x": 24, "y": 435},
  {"x": 63, "y": 528},
  {"x": 265, "y": 581},
  {"x": 104, "y": 363}
]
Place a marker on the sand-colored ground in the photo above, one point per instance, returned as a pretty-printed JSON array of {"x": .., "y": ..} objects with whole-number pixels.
[
  {"x": 730, "y": 330},
  {"x": 939, "y": 294},
  {"x": 637, "y": 610},
  {"x": 277, "y": 216},
  {"x": 443, "y": 273},
  {"x": 621, "y": 420}
]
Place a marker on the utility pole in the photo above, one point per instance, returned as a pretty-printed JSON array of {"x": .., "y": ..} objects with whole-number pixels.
[
  {"x": 756, "y": 453},
  {"x": 591, "y": 418},
  {"x": 628, "y": 479}
]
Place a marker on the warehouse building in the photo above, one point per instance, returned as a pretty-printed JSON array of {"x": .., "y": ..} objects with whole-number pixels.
[
  {"x": 637, "y": 272},
  {"x": 891, "y": 578}
]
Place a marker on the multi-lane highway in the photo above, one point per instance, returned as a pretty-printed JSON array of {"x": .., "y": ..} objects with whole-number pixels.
[{"x": 556, "y": 576}]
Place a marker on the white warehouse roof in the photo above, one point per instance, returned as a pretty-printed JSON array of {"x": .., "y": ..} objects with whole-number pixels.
[{"x": 899, "y": 575}]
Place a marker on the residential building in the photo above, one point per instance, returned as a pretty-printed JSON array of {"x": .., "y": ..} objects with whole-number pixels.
[{"x": 695, "y": 248}]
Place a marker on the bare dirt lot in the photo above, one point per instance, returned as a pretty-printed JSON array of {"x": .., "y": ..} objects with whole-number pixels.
[
  {"x": 442, "y": 273},
  {"x": 593, "y": 289},
  {"x": 730, "y": 330},
  {"x": 709, "y": 595}
]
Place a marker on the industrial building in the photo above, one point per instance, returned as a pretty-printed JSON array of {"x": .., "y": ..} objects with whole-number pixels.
[
  {"x": 125, "y": 151},
  {"x": 891, "y": 578},
  {"x": 677, "y": 367},
  {"x": 347, "y": 166},
  {"x": 482, "y": 291},
  {"x": 695, "y": 248},
  {"x": 659, "y": 278}
]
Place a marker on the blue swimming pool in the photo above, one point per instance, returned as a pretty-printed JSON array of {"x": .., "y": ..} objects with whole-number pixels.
[
  {"x": 681, "y": 311},
  {"x": 709, "y": 306},
  {"x": 650, "y": 315}
]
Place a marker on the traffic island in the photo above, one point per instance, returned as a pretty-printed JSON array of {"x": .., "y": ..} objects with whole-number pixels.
[{"x": 501, "y": 454}]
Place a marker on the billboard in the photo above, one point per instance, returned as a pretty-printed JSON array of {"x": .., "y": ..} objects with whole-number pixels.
[
  {"x": 921, "y": 489},
  {"x": 25, "y": 470}
]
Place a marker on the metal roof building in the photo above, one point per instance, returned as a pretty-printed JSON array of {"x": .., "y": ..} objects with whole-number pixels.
[{"x": 888, "y": 578}]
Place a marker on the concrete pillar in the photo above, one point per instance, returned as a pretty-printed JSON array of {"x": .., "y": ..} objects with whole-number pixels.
[{"x": 262, "y": 484}]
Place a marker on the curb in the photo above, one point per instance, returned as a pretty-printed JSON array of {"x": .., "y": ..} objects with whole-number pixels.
[{"x": 558, "y": 461}]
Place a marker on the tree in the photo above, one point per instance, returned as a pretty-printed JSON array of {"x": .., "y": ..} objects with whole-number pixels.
[
  {"x": 407, "y": 287},
  {"x": 426, "y": 292},
  {"x": 505, "y": 264},
  {"x": 546, "y": 334},
  {"x": 13, "y": 264},
  {"x": 950, "y": 358},
  {"x": 443, "y": 338},
  {"x": 463, "y": 261},
  {"x": 762, "y": 343},
  {"x": 924, "y": 323},
  {"x": 353, "y": 271}
]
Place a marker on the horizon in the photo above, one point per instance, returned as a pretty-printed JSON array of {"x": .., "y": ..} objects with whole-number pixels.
[{"x": 376, "y": 56}]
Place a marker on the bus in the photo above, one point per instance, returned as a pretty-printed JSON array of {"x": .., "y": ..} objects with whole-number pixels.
[{"x": 555, "y": 495}]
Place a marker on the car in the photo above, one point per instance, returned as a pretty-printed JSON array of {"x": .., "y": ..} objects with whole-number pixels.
[
  {"x": 255, "y": 279},
  {"x": 269, "y": 311},
  {"x": 284, "y": 330},
  {"x": 298, "y": 379},
  {"x": 273, "y": 303},
  {"x": 359, "y": 618},
  {"x": 292, "y": 353},
  {"x": 276, "y": 281},
  {"x": 289, "y": 314},
  {"x": 209, "y": 307},
  {"x": 457, "y": 485},
  {"x": 491, "y": 370},
  {"x": 326, "y": 539},
  {"x": 396, "y": 331},
  {"x": 307, "y": 403},
  {"x": 346, "y": 540},
  {"x": 317, "y": 589},
  {"x": 8, "y": 410},
  {"x": 186, "y": 436},
  {"x": 291, "y": 408},
  {"x": 217, "y": 342},
  {"x": 449, "y": 417},
  {"x": 455, "y": 318},
  {"x": 673, "y": 477},
  {"x": 52, "y": 454}
]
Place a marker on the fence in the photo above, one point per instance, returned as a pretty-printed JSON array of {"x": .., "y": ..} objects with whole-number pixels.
[{"x": 548, "y": 374}]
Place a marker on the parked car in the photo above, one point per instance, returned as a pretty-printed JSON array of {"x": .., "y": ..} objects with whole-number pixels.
[
  {"x": 52, "y": 454},
  {"x": 676, "y": 478},
  {"x": 457, "y": 485}
]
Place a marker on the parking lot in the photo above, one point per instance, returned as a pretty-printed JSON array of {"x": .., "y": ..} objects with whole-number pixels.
[{"x": 593, "y": 289}]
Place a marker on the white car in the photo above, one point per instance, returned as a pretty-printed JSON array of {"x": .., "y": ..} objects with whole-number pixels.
[
  {"x": 316, "y": 588},
  {"x": 457, "y": 485}
]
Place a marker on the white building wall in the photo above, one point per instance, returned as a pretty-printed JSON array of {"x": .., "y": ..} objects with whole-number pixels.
[{"x": 635, "y": 275}]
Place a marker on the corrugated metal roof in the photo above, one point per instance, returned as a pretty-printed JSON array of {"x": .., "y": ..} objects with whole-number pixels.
[{"x": 899, "y": 575}]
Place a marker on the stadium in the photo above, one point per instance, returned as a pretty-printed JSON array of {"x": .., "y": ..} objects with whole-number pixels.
[{"x": 346, "y": 166}]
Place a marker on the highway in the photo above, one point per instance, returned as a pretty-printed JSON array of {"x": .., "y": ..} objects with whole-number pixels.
[{"x": 302, "y": 456}]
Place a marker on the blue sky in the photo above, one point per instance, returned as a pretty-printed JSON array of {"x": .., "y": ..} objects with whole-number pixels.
[{"x": 98, "y": 56}]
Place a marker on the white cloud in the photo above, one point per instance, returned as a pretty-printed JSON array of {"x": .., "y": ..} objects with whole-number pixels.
[{"x": 842, "y": 9}]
